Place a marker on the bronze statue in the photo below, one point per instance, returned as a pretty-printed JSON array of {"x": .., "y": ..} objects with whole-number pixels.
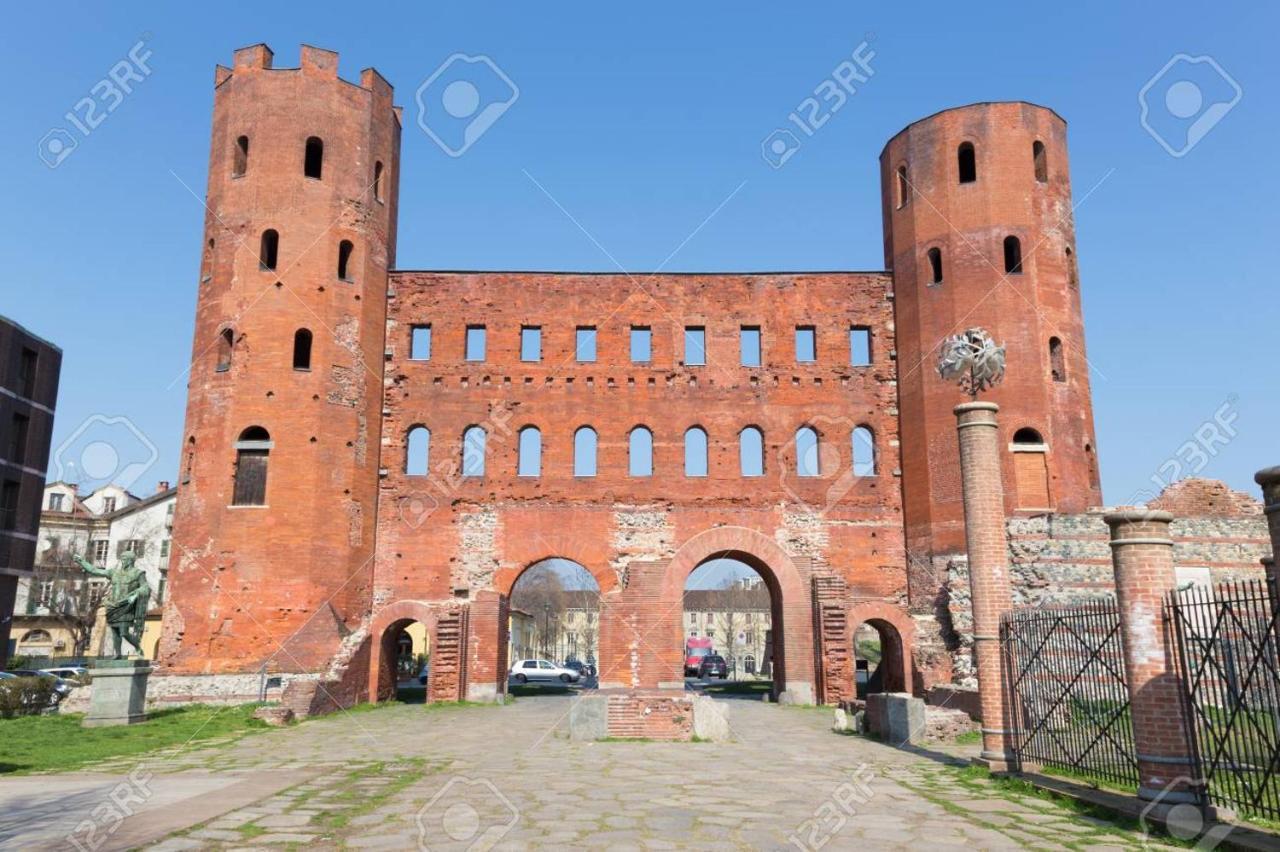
[{"x": 126, "y": 599}]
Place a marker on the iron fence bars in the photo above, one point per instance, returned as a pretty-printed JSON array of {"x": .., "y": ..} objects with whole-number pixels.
[
  {"x": 1067, "y": 690},
  {"x": 1230, "y": 670}
]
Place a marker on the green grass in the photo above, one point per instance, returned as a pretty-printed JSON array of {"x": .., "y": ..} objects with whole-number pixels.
[
  {"x": 57, "y": 743},
  {"x": 527, "y": 689},
  {"x": 969, "y": 738},
  {"x": 740, "y": 687}
]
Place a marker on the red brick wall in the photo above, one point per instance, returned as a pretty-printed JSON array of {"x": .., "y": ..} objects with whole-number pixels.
[{"x": 651, "y": 716}]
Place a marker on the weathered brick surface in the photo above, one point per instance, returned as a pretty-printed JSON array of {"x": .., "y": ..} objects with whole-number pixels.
[{"x": 652, "y": 715}]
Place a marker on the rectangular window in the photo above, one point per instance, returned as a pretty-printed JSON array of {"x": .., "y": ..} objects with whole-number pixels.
[
  {"x": 859, "y": 346},
  {"x": 806, "y": 344},
  {"x": 164, "y": 549},
  {"x": 251, "y": 478},
  {"x": 18, "y": 439},
  {"x": 55, "y": 502},
  {"x": 108, "y": 505},
  {"x": 641, "y": 344},
  {"x": 585, "y": 346},
  {"x": 420, "y": 343},
  {"x": 531, "y": 343},
  {"x": 136, "y": 546},
  {"x": 28, "y": 374},
  {"x": 9, "y": 505},
  {"x": 695, "y": 346},
  {"x": 101, "y": 548},
  {"x": 750, "y": 344},
  {"x": 475, "y": 343}
]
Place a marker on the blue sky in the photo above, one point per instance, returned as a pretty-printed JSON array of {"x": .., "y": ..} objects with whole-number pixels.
[{"x": 641, "y": 123}]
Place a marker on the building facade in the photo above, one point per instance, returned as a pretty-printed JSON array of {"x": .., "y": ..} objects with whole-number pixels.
[
  {"x": 368, "y": 447},
  {"x": 29, "y": 371}
]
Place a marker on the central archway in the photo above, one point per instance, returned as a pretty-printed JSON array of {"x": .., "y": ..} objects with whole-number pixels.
[
  {"x": 729, "y": 622},
  {"x": 554, "y": 618}
]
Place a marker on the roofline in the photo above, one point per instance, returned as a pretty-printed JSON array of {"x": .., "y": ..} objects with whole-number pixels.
[
  {"x": 142, "y": 503},
  {"x": 934, "y": 115},
  {"x": 719, "y": 274},
  {"x": 29, "y": 333}
]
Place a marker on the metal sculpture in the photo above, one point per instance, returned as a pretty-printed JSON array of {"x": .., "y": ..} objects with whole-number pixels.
[{"x": 972, "y": 360}]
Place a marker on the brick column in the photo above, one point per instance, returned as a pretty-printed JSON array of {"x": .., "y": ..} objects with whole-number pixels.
[
  {"x": 1269, "y": 479},
  {"x": 1142, "y": 556},
  {"x": 984, "y": 534}
]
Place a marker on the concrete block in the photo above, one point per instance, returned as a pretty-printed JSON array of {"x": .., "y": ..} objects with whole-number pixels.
[
  {"x": 711, "y": 719},
  {"x": 589, "y": 718},
  {"x": 119, "y": 693}
]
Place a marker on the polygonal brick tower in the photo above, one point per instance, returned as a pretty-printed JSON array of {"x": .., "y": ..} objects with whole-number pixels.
[
  {"x": 274, "y": 534},
  {"x": 978, "y": 231}
]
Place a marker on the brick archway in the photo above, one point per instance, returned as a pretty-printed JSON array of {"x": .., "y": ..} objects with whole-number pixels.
[
  {"x": 897, "y": 635},
  {"x": 791, "y": 605},
  {"x": 606, "y": 578},
  {"x": 382, "y": 634}
]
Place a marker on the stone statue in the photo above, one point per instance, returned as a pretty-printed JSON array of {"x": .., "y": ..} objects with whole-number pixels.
[
  {"x": 973, "y": 360},
  {"x": 126, "y": 599}
]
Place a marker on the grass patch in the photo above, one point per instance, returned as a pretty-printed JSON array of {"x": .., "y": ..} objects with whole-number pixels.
[
  {"x": 627, "y": 740},
  {"x": 969, "y": 738},
  {"x": 740, "y": 687},
  {"x": 251, "y": 830},
  {"x": 528, "y": 689},
  {"x": 57, "y": 743}
]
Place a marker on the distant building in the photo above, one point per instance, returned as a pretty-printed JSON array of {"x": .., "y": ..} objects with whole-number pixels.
[
  {"x": 56, "y": 613},
  {"x": 520, "y": 636},
  {"x": 29, "y": 371},
  {"x": 737, "y": 620}
]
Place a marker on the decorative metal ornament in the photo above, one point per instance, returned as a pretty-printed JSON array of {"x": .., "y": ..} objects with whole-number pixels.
[{"x": 972, "y": 360}]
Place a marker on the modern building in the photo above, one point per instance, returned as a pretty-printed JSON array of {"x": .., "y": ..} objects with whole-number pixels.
[
  {"x": 57, "y": 612},
  {"x": 29, "y": 371}
]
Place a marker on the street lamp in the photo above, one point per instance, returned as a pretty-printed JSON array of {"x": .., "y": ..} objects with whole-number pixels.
[{"x": 546, "y": 630}]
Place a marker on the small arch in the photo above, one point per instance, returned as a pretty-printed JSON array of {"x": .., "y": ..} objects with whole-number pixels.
[
  {"x": 1027, "y": 435},
  {"x": 1039, "y": 159},
  {"x": 240, "y": 158},
  {"x": 751, "y": 451},
  {"x": 302, "y": 349},
  {"x": 377, "y": 181},
  {"x": 640, "y": 452},
  {"x": 885, "y": 633},
  {"x": 253, "y": 449},
  {"x": 345, "y": 248},
  {"x": 584, "y": 451},
  {"x": 268, "y": 249},
  {"x": 935, "y": 265},
  {"x": 1012, "y": 255},
  {"x": 313, "y": 159},
  {"x": 967, "y": 162},
  {"x": 904, "y": 187},
  {"x": 807, "y": 456},
  {"x": 417, "y": 451},
  {"x": 529, "y": 452},
  {"x": 695, "y": 451},
  {"x": 1031, "y": 469},
  {"x": 864, "y": 451},
  {"x": 226, "y": 348},
  {"x": 1057, "y": 362},
  {"x": 473, "y": 446}
]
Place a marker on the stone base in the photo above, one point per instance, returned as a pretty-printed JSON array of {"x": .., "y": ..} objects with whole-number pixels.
[
  {"x": 898, "y": 718},
  {"x": 119, "y": 693},
  {"x": 650, "y": 714}
]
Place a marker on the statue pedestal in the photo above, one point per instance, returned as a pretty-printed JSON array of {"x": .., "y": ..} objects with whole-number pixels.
[{"x": 119, "y": 693}]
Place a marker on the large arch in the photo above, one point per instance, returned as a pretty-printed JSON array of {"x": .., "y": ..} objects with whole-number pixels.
[
  {"x": 504, "y": 580},
  {"x": 897, "y": 638},
  {"x": 792, "y": 609}
]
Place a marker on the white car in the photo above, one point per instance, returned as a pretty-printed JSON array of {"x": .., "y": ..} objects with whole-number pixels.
[{"x": 525, "y": 671}]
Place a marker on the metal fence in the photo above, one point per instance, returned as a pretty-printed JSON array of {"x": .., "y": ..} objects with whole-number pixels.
[
  {"x": 1227, "y": 648},
  {"x": 1065, "y": 679}
]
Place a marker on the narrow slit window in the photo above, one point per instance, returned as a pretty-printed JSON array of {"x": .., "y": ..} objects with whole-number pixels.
[
  {"x": 1012, "y": 256},
  {"x": 1038, "y": 158},
  {"x": 377, "y": 181},
  {"x": 226, "y": 346},
  {"x": 302, "y": 349},
  {"x": 935, "y": 265},
  {"x": 640, "y": 452},
  {"x": 859, "y": 346},
  {"x": 584, "y": 452},
  {"x": 268, "y": 249},
  {"x": 695, "y": 452},
  {"x": 241, "y": 159},
  {"x": 529, "y": 462},
  {"x": 967, "y": 162},
  {"x": 1057, "y": 362},
  {"x": 345, "y": 248},
  {"x": 420, "y": 343},
  {"x": 313, "y": 160},
  {"x": 417, "y": 451},
  {"x": 904, "y": 187}
]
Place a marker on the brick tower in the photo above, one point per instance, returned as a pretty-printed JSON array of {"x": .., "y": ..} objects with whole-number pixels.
[
  {"x": 274, "y": 534},
  {"x": 978, "y": 231}
]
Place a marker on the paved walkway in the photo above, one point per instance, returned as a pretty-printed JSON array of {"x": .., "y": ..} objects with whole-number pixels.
[{"x": 503, "y": 777}]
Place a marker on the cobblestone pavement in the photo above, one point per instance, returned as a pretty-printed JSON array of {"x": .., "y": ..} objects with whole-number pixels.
[{"x": 503, "y": 776}]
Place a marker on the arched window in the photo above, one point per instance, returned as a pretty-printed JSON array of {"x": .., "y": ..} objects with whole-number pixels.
[
  {"x": 695, "y": 451},
  {"x": 417, "y": 451},
  {"x": 313, "y": 161},
  {"x": 302, "y": 349},
  {"x": 240, "y": 163},
  {"x": 751, "y": 451},
  {"x": 529, "y": 460},
  {"x": 904, "y": 187},
  {"x": 473, "y": 440},
  {"x": 864, "y": 451},
  {"x": 584, "y": 452},
  {"x": 1041, "y": 164},
  {"x": 344, "y": 259},
  {"x": 1057, "y": 363},
  {"x": 226, "y": 346},
  {"x": 268, "y": 249},
  {"x": 252, "y": 451},
  {"x": 807, "y": 463},
  {"x": 1031, "y": 469},
  {"x": 1027, "y": 435},
  {"x": 935, "y": 265},
  {"x": 967, "y": 162},
  {"x": 377, "y": 181},
  {"x": 1012, "y": 256},
  {"x": 640, "y": 452}
]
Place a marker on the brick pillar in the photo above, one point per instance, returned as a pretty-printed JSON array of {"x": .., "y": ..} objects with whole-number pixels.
[
  {"x": 1269, "y": 479},
  {"x": 988, "y": 569},
  {"x": 1142, "y": 556}
]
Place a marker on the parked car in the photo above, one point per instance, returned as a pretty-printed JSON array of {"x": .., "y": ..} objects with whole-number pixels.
[
  {"x": 422, "y": 675},
  {"x": 713, "y": 665},
  {"x": 580, "y": 667},
  {"x": 75, "y": 674},
  {"x": 525, "y": 671},
  {"x": 61, "y": 688}
]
